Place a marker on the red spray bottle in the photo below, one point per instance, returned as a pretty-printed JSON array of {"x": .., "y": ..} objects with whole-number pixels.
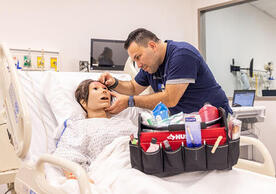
[{"x": 209, "y": 113}]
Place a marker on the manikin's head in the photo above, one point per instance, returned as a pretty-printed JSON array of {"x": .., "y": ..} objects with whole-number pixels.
[
  {"x": 94, "y": 98},
  {"x": 143, "y": 47}
]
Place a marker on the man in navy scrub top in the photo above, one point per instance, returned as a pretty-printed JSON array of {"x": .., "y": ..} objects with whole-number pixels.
[{"x": 176, "y": 71}]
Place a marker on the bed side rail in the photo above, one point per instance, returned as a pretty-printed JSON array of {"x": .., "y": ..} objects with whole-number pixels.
[
  {"x": 76, "y": 169},
  {"x": 14, "y": 104},
  {"x": 266, "y": 168},
  {"x": 33, "y": 178}
]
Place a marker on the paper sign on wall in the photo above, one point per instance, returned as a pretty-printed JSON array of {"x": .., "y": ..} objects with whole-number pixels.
[
  {"x": 53, "y": 63},
  {"x": 40, "y": 61}
]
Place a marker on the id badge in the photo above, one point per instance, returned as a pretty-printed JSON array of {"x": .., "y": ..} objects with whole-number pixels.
[{"x": 161, "y": 87}]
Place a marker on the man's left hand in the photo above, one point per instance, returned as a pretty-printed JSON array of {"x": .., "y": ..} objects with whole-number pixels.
[{"x": 120, "y": 103}]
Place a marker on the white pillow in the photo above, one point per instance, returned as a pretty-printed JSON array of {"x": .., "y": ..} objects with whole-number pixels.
[
  {"x": 59, "y": 90},
  {"x": 42, "y": 118}
]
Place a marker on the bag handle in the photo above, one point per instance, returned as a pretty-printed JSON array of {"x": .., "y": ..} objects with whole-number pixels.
[
  {"x": 223, "y": 115},
  {"x": 139, "y": 139}
]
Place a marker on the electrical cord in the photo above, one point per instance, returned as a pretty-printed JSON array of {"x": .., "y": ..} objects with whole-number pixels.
[{"x": 10, "y": 189}]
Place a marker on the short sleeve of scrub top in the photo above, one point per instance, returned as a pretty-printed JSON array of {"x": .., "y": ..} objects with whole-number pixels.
[
  {"x": 142, "y": 78},
  {"x": 183, "y": 68}
]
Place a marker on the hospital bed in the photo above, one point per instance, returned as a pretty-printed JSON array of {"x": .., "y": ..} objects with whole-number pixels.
[{"x": 34, "y": 110}]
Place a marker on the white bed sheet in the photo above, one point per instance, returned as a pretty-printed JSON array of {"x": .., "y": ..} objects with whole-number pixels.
[{"x": 112, "y": 173}]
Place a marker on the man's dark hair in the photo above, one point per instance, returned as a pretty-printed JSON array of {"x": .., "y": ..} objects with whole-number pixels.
[
  {"x": 140, "y": 36},
  {"x": 82, "y": 92}
]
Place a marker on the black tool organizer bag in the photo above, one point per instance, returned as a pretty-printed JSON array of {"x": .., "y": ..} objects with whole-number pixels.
[{"x": 183, "y": 158}]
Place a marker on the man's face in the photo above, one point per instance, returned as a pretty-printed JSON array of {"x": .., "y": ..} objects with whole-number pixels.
[
  {"x": 99, "y": 96},
  {"x": 145, "y": 57}
]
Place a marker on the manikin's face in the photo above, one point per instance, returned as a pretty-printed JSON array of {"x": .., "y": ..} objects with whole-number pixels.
[
  {"x": 99, "y": 97},
  {"x": 145, "y": 57}
]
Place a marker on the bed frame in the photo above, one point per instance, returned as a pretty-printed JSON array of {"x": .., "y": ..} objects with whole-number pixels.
[
  {"x": 29, "y": 179},
  {"x": 15, "y": 107},
  {"x": 32, "y": 178}
]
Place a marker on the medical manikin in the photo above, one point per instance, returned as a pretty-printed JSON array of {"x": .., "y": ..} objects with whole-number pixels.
[{"x": 85, "y": 136}]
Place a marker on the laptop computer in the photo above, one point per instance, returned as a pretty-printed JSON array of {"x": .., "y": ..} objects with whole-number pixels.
[{"x": 243, "y": 98}]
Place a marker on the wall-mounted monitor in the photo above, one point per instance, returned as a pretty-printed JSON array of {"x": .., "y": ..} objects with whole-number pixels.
[{"x": 107, "y": 54}]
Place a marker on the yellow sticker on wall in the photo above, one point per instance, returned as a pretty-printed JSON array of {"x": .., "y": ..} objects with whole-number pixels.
[
  {"x": 53, "y": 63},
  {"x": 40, "y": 62}
]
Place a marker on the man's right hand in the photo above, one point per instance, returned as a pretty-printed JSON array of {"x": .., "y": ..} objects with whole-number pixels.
[{"x": 107, "y": 79}]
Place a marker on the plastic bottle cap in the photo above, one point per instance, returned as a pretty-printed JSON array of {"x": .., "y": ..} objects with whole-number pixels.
[
  {"x": 153, "y": 140},
  {"x": 166, "y": 143}
]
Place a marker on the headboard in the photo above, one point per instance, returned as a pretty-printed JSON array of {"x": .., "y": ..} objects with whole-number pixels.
[{"x": 18, "y": 121}]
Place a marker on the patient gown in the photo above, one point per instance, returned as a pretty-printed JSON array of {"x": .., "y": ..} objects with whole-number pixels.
[{"x": 84, "y": 139}]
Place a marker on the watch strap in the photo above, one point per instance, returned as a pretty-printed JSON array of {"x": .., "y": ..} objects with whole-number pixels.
[
  {"x": 131, "y": 101},
  {"x": 114, "y": 85}
]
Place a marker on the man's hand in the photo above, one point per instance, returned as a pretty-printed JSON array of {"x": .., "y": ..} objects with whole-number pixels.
[
  {"x": 120, "y": 103},
  {"x": 107, "y": 79}
]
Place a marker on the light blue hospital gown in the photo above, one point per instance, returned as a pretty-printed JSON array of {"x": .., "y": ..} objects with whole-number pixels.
[{"x": 84, "y": 139}]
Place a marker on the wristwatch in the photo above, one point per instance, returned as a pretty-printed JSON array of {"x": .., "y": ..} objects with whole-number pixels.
[
  {"x": 130, "y": 101},
  {"x": 114, "y": 85}
]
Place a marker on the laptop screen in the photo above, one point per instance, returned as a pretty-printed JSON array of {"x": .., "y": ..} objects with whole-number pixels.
[{"x": 243, "y": 98}]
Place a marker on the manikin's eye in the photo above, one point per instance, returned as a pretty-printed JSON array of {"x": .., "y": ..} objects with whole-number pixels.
[{"x": 95, "y": 88}]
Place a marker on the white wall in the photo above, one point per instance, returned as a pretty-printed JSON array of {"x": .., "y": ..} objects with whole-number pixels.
[
  {"x": 68, "y": 25},
  {"x": 193, "y": 17},
  {"x": 241, "y": 32}
]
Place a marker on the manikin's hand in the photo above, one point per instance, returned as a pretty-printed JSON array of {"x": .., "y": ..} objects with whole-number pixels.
[
  {"x": 107, "y": 79},
  {"x": 120, "y": 103},
  {"x": 70, "y": 175}
]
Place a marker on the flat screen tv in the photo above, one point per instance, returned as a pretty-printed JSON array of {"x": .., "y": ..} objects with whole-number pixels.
[{"x": 107, "y": 54}]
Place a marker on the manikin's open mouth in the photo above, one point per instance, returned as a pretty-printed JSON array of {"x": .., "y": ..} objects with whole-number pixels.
[{"x": 104, "y": 98}]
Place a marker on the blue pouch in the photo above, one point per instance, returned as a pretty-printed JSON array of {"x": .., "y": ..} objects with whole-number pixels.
[{"x": 161, "y": 110}]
